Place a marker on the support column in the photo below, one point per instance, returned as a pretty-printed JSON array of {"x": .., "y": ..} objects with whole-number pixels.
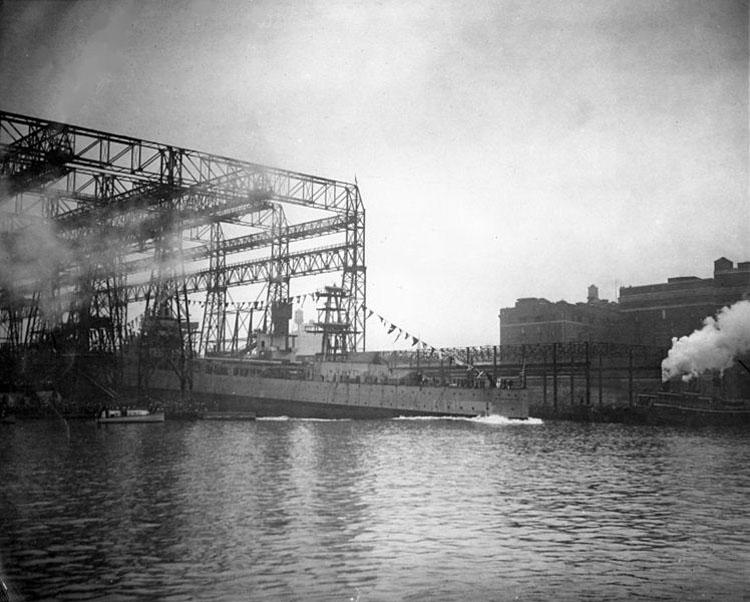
[{"x": 554, "y": 375}]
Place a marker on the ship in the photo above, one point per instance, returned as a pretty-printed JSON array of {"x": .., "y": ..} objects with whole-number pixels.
[
  {"x": 270, "y": 378},
  {"x": 275, "y": 377},
  {"x": 691, "y": 409},
  {"x": 361, "y": 386},
  {"x": 129, "y": 415},
  {"x": 717, "y": 398}
]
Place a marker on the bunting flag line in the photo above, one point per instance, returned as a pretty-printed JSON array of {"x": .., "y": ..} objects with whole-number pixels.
[
  {"x": 452, "y": 355},
  {"x": 259, "y": 305}
]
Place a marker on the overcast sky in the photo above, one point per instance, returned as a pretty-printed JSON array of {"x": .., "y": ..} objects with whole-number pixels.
[{"x": 503, "y": 149}]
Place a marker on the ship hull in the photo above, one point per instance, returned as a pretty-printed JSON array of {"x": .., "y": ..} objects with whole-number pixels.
[
  {"x": 675, "y": 415},
  {"x": 301, "y": 398},
  {"x": 690, "y": 410}
]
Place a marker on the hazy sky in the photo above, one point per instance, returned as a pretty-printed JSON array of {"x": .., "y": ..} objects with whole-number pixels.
[{"x": 503, "y": 149}]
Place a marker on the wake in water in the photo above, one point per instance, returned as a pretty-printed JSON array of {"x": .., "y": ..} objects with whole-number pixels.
[
  {"x": 290, "y": 419},
  {"x": 492, "y": 419}
]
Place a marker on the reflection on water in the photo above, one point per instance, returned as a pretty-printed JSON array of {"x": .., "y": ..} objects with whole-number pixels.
[{"x": 374, "y": 510}]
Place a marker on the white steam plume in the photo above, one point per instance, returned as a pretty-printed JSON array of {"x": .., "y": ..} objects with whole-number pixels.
[{"x": 713, "y": 347}]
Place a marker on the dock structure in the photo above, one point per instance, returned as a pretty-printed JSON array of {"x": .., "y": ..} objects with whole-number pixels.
[
  {"x": 560, "y": 374},
  {"x": 111, "y": 242}
]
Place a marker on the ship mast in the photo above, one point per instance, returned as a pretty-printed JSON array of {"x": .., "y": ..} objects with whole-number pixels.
[{"x": 333, "y": 323}]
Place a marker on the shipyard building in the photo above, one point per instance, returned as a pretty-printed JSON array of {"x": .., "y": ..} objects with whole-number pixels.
[
  {"x": 655, "y": 313},
  {"x": 649, "y": 315},
  {"x": 537, "y": 320}
]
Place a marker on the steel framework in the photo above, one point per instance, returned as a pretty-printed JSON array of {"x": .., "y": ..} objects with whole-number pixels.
[{"x": 97, "y": 228}]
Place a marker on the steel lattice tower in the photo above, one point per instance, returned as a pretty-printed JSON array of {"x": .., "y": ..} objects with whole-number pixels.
[{"x": 108, "y": 238}]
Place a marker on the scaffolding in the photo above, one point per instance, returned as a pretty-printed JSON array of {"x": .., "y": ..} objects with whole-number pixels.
[{"x": 111, "y": 242}]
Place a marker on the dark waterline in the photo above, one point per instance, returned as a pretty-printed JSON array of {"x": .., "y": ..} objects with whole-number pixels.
[{"x": 374, "y": 510}]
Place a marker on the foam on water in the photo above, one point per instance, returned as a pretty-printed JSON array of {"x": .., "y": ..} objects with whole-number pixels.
[
  {"x": 495, "y": 419},
  {"x": 492, "y": 419},
  {"x": 290, "y": 419}
]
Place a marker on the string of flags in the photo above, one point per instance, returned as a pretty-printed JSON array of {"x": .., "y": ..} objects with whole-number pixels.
[
  {"x": 239, "y": 306},
  {"x": 415, "y": 341},
  {"x": 261, "y": 305},
  {"x": 475, "y": 353}
]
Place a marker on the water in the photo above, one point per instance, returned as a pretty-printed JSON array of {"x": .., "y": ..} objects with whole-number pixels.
[{"x": 374, "y": 511}]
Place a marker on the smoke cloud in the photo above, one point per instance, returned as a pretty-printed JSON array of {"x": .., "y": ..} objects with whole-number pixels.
[
  {"x": 31, "y": 254},
  {"x": 713, "y": 347}
]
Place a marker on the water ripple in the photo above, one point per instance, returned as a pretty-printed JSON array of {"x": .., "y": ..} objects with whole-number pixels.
[{"x": 374, "y": 510}]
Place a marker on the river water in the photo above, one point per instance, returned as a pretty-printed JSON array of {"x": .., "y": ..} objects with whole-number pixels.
[{"x": 373, "y": 511}]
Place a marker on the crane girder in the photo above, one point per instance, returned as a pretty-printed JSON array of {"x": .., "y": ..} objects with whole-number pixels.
[
  {"x": 137, "y": 161},
  {"x": 112, "y": 208},
  {"x": 316, "y": 261},
  {"x": 257, "y": 240},
  {"x": 35, "y": 159}
]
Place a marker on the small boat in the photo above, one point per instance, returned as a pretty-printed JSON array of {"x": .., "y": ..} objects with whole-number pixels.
[
  {"x": 8, "y": 419},
  {"x": 715, "y": 398},
  {"x": 691, "y": 409},
  {"x": 107, "y": 416}
]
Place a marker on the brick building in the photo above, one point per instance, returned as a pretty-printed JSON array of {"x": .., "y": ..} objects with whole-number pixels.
[
  {"x": 536, "y": 320},
  {"x": 646, "y": 315},
  {"x": 655, "y": 313}
]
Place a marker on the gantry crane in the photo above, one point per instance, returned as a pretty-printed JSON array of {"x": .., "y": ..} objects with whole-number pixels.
[{"x": 97, "y": 229}]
